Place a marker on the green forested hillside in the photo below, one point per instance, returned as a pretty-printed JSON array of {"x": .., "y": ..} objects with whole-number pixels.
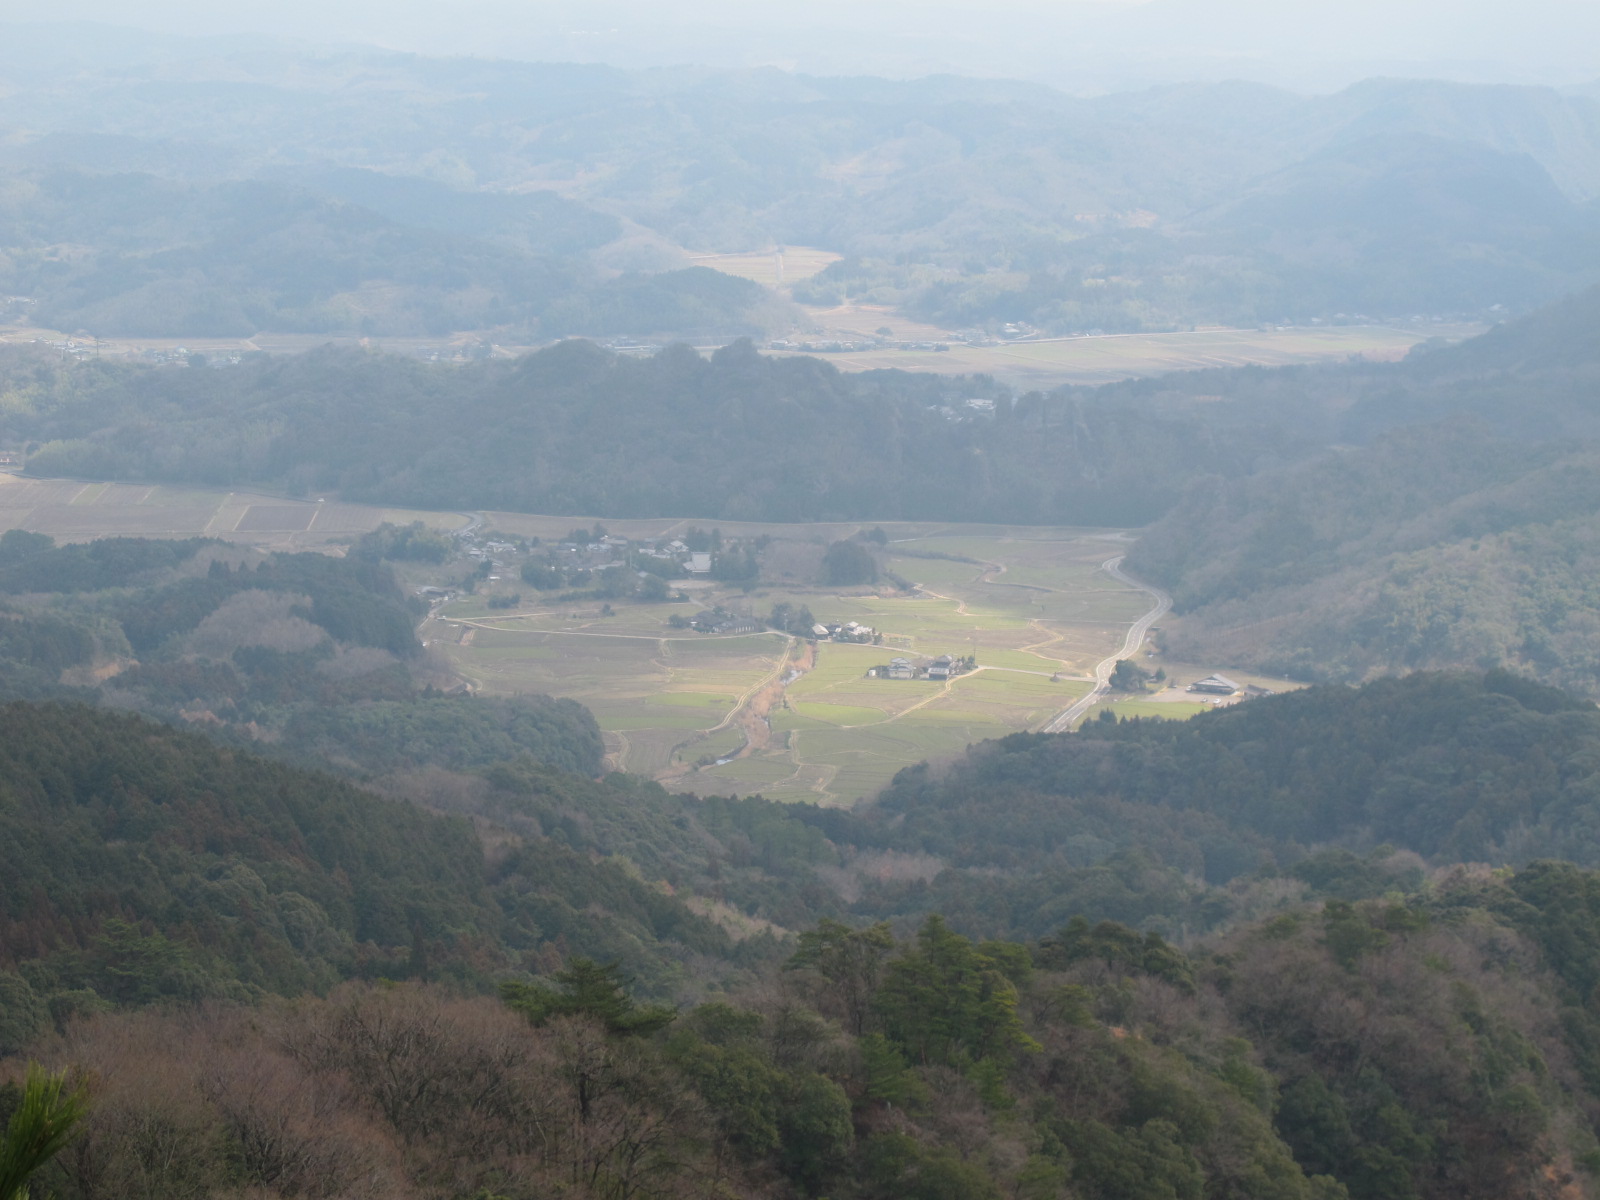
[
  {"x": 1435, "y": 1045},
  {"x": 1454, "y": 526},
  {"x": 1362, "y": 1022},
  {"x": 1441, "y": 765},
  {"x": 304, "y": 655},
  {"x": 144, "y": 864},
  {"x": 1367, "y": 1020},
  {"x": 575, "y": 429},
  {"x": 1184, "y": 828}
]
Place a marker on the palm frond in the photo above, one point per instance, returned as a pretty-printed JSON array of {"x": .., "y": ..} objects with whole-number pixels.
[{"x": 41, "y": 1126}]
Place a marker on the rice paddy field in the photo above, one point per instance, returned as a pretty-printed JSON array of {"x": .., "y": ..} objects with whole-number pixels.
[
  {"x": 763, "y": 712},
  {"x": 72, "y": 510},
  {"x": 735, "y": 713}
]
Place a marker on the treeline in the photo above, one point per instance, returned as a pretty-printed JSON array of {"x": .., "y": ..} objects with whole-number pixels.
[
  {"x": 1451, "y": 767},
  {"x": 1187, "y": 828},
  {"x": 577, "y": 430}
]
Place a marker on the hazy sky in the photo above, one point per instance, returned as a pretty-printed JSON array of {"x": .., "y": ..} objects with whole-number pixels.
[{"x": 1096, "y": 43}]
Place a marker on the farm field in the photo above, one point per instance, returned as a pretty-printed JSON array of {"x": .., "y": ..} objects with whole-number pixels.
[
  {"x": 751, "y": 712},
  {"x": 739, "y": 712},
  {"x": 1092, "y": 360},
  {"x": 1024, "y": 365},
  {"x": 770, "y": 268},
  {"x": 71, "y": 510}
]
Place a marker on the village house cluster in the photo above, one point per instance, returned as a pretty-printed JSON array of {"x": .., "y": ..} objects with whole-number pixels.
[
  {"x": 937, "y": 669},
  {"x": 718, "y": 621}
]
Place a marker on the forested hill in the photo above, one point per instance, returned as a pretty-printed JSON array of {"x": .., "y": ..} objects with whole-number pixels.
[
  {"x": 1357, "y": 1028},
  {"x": 575, "y": 429},
  {"x": 1453, "y": 767},
  {"x": 308, "y": 656},
  {"x": 1452, "y": 522},
  {"x": 139, "y": 863},
  {"x": 1560, "y": 336},
  {"x": 1186, "y": 828}
]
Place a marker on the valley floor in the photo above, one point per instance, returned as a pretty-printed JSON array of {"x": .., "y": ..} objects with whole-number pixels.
[{"x": 756, "y": 711}]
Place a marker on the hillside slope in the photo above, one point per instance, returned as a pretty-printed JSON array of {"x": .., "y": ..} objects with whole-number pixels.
[{"x": 1456, "y": 526}]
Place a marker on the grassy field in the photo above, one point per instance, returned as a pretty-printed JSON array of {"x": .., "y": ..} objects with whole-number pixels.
[
  {"x": 1165, "y": 710},
  {"x": 735, "y": 714}
]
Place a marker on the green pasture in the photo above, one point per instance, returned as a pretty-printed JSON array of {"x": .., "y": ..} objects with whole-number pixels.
[
  {"x": 693, "y": 700},
  {"x": 742, "y": 775},
  {"x": 840, "y": 714},
  {"x": 1168, "y": 710},
  {"x": 935, "y": 573}
]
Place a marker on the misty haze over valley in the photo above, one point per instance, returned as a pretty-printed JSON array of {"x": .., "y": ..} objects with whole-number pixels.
[{"x": 874, "y": 601}]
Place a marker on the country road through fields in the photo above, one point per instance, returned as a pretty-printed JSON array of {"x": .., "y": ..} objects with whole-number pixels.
[{"x": 1136, "y": 635}]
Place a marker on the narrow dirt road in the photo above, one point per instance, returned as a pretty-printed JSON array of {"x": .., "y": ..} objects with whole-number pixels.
[{"x": 1137, "y": 632}]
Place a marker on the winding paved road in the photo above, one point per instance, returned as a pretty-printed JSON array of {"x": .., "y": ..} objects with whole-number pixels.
[{"x": 1136, "y": 635}]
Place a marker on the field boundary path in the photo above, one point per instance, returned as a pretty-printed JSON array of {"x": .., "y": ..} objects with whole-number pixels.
[{"x": 1137, "y": 632}]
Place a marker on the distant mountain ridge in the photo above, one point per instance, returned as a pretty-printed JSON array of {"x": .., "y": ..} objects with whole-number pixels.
[{"x": 968, "y": 202}]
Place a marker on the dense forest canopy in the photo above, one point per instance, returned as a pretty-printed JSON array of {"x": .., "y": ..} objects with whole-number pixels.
[
  {"x": 309, "y": 655},
  {"x": 1362, "y": 1022},
  {"x": 575, "y": 429},
  {"x": 1183, "y": 827},
  {"x": 1451, "y": 522}
]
